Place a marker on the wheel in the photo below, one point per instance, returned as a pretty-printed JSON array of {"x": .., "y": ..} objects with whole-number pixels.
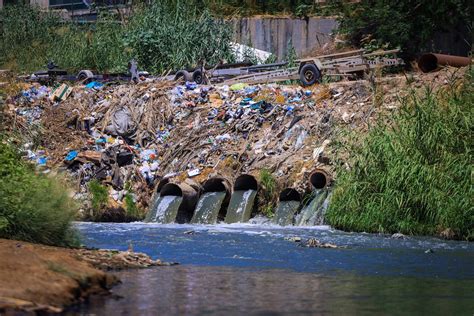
[
  {"x": 85, "y": 75},
  {"x": 309, "y": 74},
  {"x": 183, "y": 75},
  {"x": 198, "y": 77}
]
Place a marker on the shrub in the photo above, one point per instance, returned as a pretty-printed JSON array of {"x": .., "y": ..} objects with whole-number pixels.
[
  {"x": 170, "y": 35},
  {"x": 269, "y": 192},
  {"x": 163, "y": 35},
  {"x": 100, "y": 196},
  {"x": 133, "y": 213},
  {"x": 415, "y": 176},
  {"x": 405, "y": 24},
  {"x": 33, "y": 207}
]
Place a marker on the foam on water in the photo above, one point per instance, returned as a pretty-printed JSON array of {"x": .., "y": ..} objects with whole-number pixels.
[{"x": 268, "y": 247}]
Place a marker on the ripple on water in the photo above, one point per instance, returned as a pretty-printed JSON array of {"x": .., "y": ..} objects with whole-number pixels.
[{"x": 222, "y": 245}]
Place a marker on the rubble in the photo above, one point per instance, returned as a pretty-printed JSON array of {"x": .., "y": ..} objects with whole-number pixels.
[{"x": 130, "y": 136}]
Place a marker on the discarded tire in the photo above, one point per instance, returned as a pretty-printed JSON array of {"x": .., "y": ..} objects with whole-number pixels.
[
  {"x": 198, "y": 76},
  {"x": 85, "y": 75},
  {"x": 183, "y": 75},
  {"x": 309, "y": 74}
]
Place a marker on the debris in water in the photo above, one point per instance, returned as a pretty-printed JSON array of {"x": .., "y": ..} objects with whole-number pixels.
[
  {"x": 314, "y": 243},
  {"x": 398, "y": 236},
  {"x": 293, "y": 239}
]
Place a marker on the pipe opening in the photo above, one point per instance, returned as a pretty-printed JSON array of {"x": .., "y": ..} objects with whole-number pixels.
[
  {"x": 171, "y": 189},
  {"x": 161, "y": 184},
  {"x": 428, "y": 62},
  {"x": 289, "y": 194},
  {"x": 219, "y": 185},
  {"x": 319, "y": 179},
  {"x": 215, "y": 185},
  {"x": 245, "y": 182}
]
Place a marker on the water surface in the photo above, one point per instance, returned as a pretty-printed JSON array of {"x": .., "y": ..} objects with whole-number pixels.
[{"x": 251, "y": 269}]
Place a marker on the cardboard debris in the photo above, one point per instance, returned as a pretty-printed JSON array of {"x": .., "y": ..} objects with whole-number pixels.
[{"x": 61, "y": 93}]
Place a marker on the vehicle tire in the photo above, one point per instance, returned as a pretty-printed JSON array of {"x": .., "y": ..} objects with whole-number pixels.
[
  {"x": 183, "y": 75},
  {"x": 309, "y": 74},
  {"x": 85, "y": 75},
  {"x": 198, "y": 77}
]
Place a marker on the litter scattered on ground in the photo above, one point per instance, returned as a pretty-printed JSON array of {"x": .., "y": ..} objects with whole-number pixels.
[{"x": 130, "y": 136}]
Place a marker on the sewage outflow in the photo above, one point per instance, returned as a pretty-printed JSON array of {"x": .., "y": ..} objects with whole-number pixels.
[
  {"x": 208, "y": 207},
  {"x": 313, "y": 213},
  {"x": 213, "y": 202},
  {"x": 240, "y": 206}
]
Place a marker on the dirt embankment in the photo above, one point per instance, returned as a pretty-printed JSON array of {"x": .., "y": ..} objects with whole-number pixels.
[{"x": 36, "y": 278}]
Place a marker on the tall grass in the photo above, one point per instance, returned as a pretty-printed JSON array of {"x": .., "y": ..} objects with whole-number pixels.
[
  {"x": 269, "y": 192},
  {"x": 25, "y": 36},
  {"x": 33, "y": 207},
  {"x": 415, "y": 176},
  {"x": 174, "y": 34},
  {"x": 161, "y": 36}
]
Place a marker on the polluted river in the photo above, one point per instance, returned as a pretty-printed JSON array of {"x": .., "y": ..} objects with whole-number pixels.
[
  {"x": 259, "y": 269},
  {"x": 232, "y": 262}
]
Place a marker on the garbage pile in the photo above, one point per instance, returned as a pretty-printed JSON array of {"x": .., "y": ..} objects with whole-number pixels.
[{"x": 130, "y": 136}]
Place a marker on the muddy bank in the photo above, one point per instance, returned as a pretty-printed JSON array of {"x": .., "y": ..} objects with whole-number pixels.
[{"x": 37, "y": 278}]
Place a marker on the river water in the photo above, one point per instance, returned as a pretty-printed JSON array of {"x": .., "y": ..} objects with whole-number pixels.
[{"x": 252, "y": 269}]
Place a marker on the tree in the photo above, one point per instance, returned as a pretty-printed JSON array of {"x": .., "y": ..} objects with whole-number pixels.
[{"x": 408, "y": 24}]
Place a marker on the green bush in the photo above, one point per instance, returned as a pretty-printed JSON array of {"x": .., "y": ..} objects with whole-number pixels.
[
  {"x": 33, "y": 207},
  {"x": 414, "y": 177},
  {"x": 405, "y": 23},
  {"x": 170, "y": 35},
  {"x": 25, "y": 36},
  {"x": 269, "y": 192},
  {"x": 100, "y": 196},
  {"x": 161, "y": 36},
  {"x": 131, "y": 207}
]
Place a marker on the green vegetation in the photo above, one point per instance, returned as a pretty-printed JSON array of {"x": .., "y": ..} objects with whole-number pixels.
[
  {"x": 100, "y": 195},
  {"x": 269, "y": 190},
  {"x": 131, "y": 207},
  {"x": 299, "y": 8},
  {"x": 162, "y": 36},
  {"x": 33, "y": 208},
  {"x": 414, "y": 177},
  {"x": 171, "y": 34},
  {"x": 405, "y": 24}
]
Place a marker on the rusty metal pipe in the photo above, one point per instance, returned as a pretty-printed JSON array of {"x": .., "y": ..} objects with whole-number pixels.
[
  {"x": 429, "y": 62},
  {"x": 319, "y": 179}
]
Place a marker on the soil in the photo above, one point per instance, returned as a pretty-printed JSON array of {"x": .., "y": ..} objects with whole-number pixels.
[{"x": 37, "y": 278}]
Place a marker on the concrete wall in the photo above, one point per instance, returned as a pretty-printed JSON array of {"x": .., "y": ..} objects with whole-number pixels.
[
  {"x": 273, "y": 34},
  {"x": 41, "y": 3}
]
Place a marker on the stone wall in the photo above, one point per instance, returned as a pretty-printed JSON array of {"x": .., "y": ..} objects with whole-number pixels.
[{"x": 273, "y": 34}]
